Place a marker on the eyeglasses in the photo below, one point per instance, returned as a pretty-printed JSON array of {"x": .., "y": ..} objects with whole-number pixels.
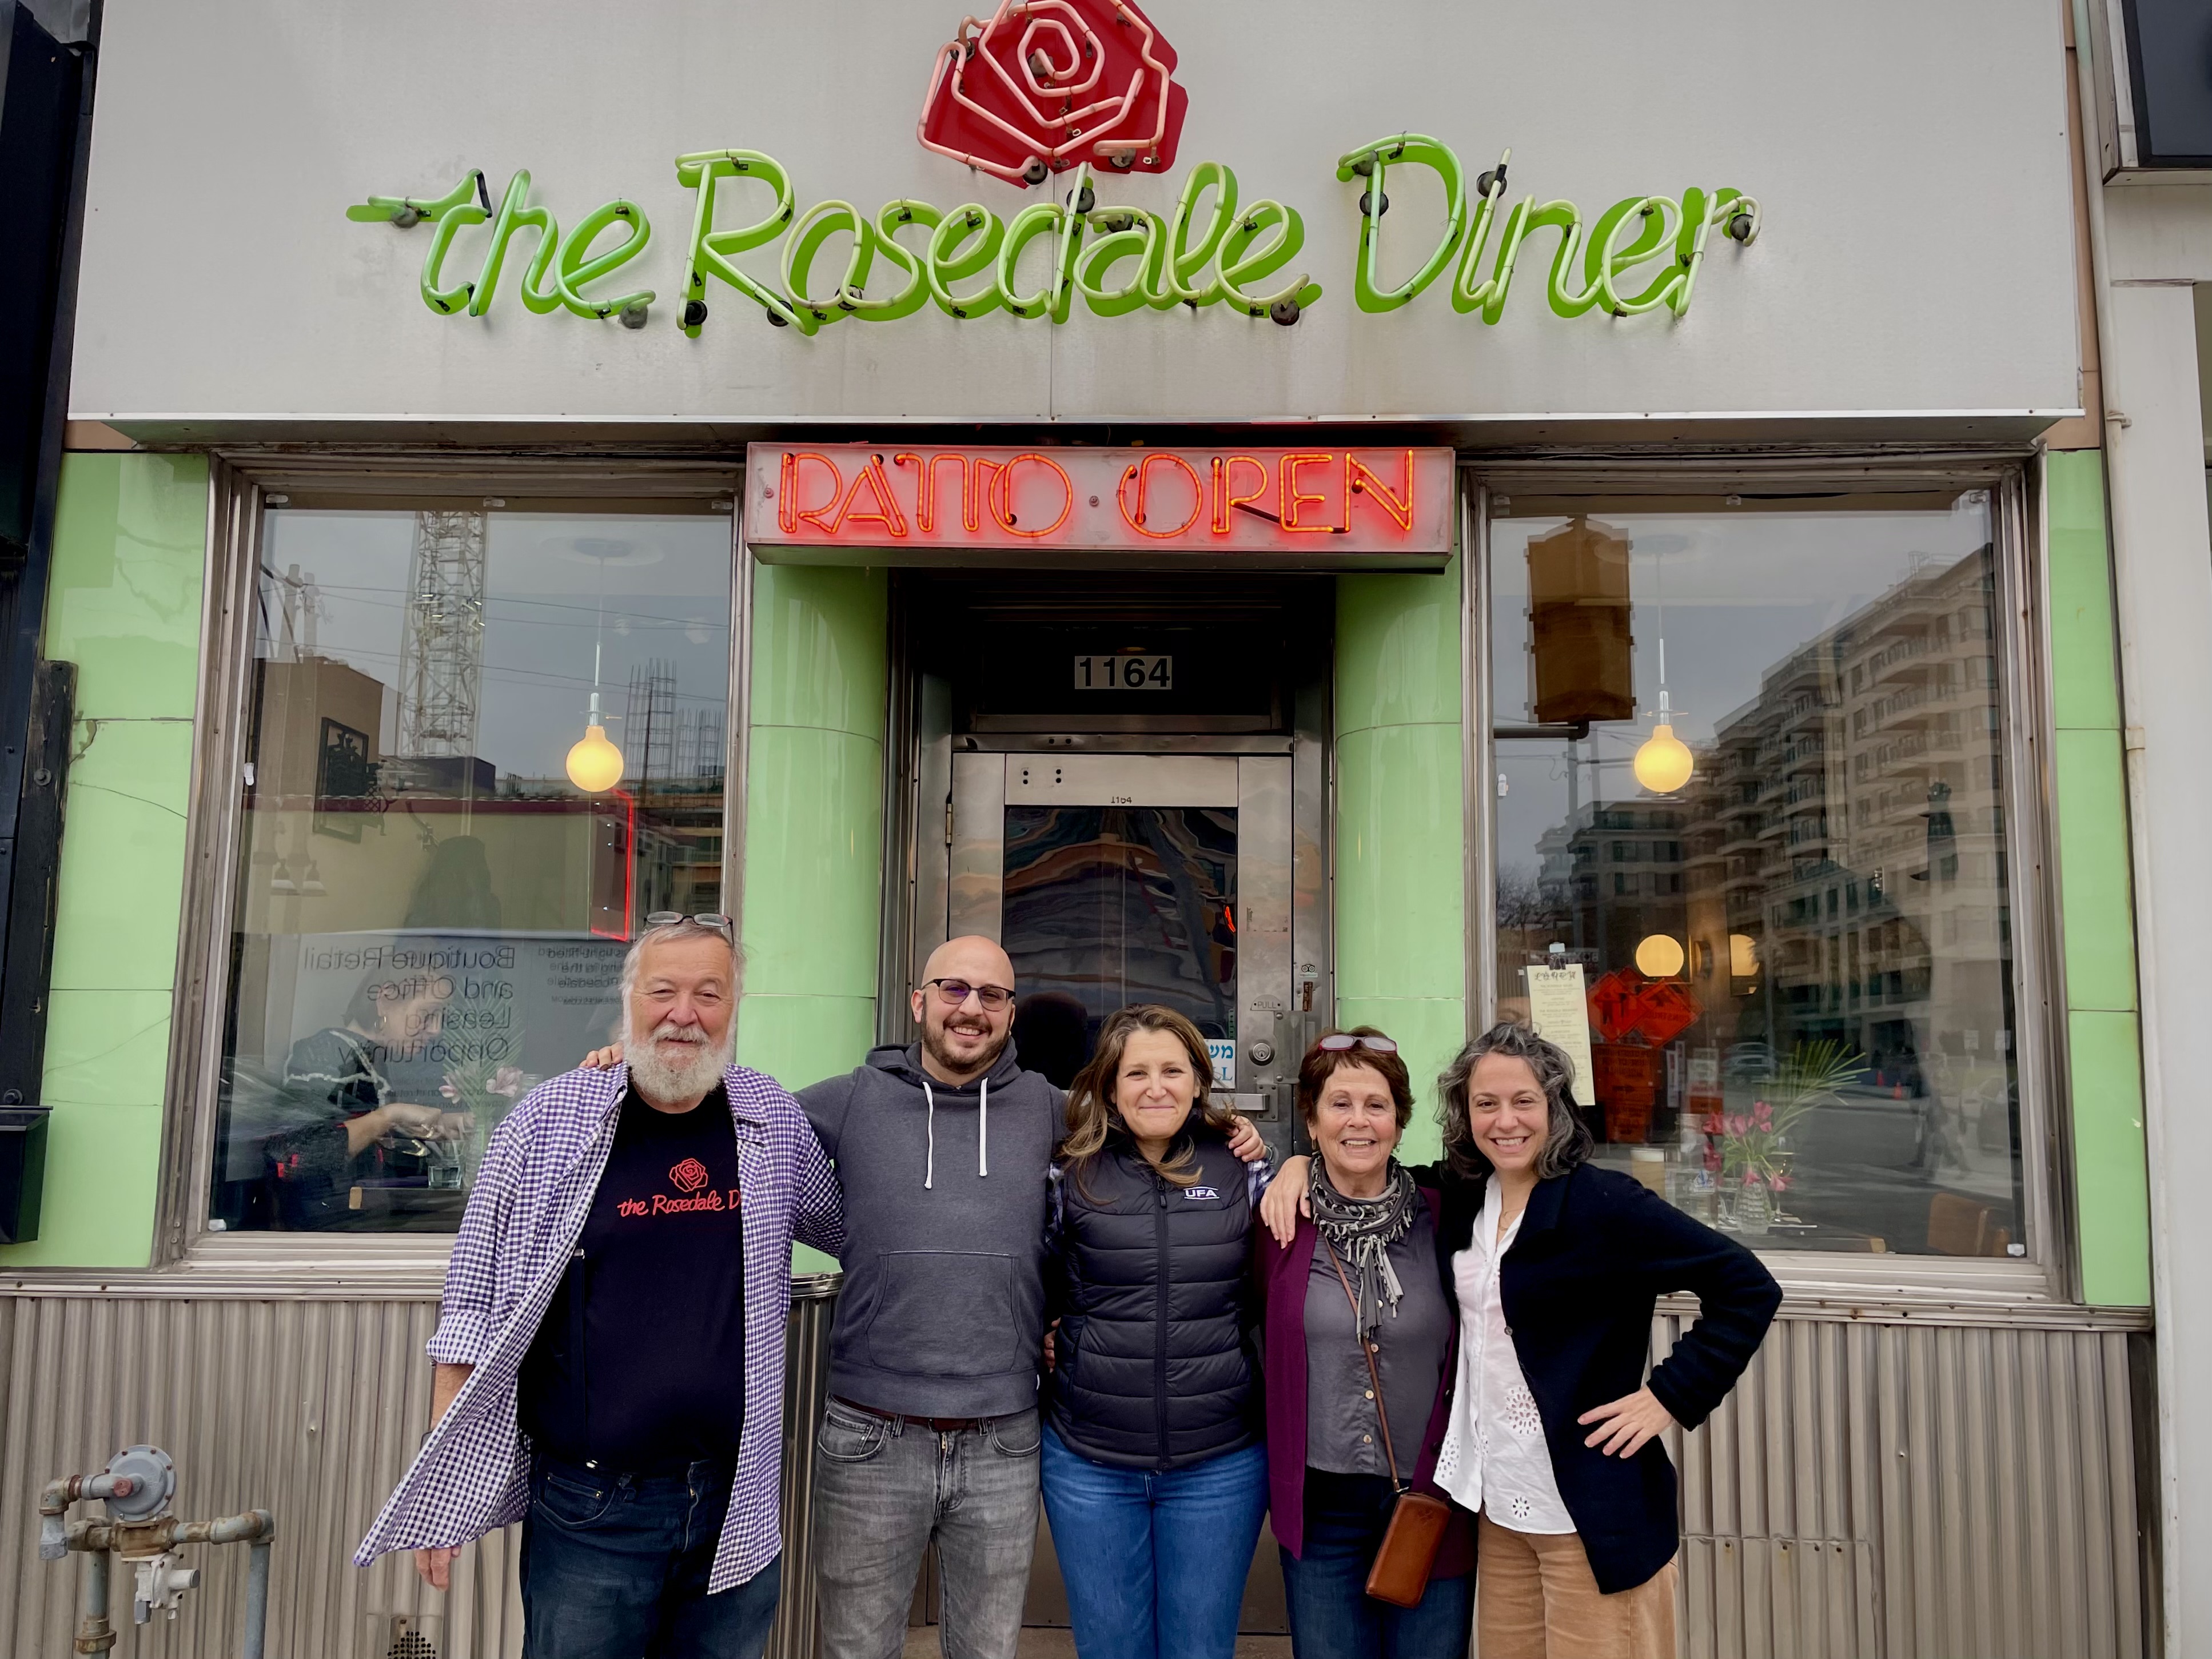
[
  {"x": 954, "y": 992},
  {"x": 725, "y": 925},
  {"x": 1337, "y": 1042}
]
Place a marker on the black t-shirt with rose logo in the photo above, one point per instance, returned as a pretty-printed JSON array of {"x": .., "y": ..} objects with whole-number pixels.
[{"x": 640, "y": 1362}]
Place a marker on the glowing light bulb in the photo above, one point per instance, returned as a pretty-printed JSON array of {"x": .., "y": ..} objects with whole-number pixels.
[
  {"x": 595, "y": 765},
  {"x": 1659, "y": 957},
  {"x": 1664, "y": 763}
]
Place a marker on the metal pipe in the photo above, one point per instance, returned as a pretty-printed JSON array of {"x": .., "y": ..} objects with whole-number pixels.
[
  {"x": 56, "y": 1496},
  {"x": 256, "y": 1596},
  {"x": 254, "y": 1525},
  {"x": 94, "y": 1634}
]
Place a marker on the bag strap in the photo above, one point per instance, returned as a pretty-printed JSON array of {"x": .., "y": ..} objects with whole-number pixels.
[{"x": 1367, "y": 1354}]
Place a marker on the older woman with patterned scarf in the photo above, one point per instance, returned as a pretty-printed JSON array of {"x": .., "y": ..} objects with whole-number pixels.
[{"x": 1358, "y": 1281}]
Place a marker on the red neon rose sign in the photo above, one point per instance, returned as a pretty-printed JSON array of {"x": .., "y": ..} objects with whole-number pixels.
[{"x": 1047, "y": 85}]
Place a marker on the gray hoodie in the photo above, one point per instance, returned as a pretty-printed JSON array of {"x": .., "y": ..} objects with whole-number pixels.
[{"x": 942, "y": 1313}]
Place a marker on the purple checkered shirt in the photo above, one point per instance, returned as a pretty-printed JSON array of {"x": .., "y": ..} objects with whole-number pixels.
[{"x": 532, "y": 1198}]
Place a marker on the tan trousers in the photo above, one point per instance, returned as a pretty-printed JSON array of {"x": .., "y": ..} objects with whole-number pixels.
[{"x": 1534, "y": 1598}]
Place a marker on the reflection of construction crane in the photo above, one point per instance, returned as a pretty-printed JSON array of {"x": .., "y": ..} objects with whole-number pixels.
[
  {"x": 651, "y": 721},
  {"x": 441, "y": 644}
]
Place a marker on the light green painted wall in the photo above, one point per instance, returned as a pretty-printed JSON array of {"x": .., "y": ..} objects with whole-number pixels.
[
  {"x": 814, "y": 825},
  {"x": 2112, "y": 1195},
  {"x": 1400, "y": 825},
  {"x": 129, "y": 550}
]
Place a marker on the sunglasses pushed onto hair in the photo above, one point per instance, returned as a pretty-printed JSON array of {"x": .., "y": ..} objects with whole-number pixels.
[
  {"x": 1337, "y": 1042},
  {"x": 725, "y": 925}
]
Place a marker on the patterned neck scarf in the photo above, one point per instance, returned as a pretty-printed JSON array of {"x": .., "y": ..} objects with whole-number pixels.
[{"x": 1362, "y": 1231}]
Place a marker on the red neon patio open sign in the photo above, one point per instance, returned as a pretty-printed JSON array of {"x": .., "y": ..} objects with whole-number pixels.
[{"x": 1315, "y": 506}]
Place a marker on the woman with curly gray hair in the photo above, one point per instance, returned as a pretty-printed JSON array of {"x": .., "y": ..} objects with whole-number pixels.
[{"x": 1556, "y": 1265}]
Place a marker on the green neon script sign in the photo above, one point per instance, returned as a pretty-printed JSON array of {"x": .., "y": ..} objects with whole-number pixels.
[{"x": 1642, "y": 253}]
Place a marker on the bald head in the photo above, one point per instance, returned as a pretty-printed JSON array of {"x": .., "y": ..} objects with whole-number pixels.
[
  {"x": 962, "y": 1034},
  {"x": 971, "y": 957}
]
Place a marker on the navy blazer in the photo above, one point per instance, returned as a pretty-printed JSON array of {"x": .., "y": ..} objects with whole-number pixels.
[{"x": 1596, "y": 1251}]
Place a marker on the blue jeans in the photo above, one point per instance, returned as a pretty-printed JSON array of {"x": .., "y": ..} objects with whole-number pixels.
[
  {"x": 1332, "y": 1615},
  {"x": 616, "y": 1566},
  {"x": 1155, "y": 1563}
]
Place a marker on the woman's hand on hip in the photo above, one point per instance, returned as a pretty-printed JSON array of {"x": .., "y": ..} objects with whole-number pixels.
[
  {"x": 1626, "y": 1424},
  {"x": 1285, "y": 1200}
]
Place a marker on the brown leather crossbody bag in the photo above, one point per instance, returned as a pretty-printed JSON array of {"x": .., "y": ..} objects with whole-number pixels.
[{"x": 1408, "y": 1551}]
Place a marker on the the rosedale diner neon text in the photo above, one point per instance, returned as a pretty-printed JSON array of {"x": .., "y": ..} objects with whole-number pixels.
[{"x": 1211, "y": 249}]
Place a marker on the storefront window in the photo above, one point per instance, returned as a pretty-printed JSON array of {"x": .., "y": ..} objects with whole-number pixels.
[
  {"x": 1778, "y": 937},
  {"x": 434, "y": 887}
]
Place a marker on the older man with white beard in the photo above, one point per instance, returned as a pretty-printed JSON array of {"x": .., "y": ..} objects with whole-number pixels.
[{"x": 610, "y": 1354}]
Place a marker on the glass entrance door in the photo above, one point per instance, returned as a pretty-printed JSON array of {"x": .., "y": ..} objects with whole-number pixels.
[
  {"x": 1119, "y": 878},
  {"x": 1106, "y": 906}
]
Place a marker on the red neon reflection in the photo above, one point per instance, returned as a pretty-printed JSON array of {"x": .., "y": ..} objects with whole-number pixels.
[{"x": 629, "y": 866}]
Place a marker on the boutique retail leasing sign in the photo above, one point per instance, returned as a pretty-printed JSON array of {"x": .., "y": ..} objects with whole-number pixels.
[
  {"x": 1069, "y": 95},
  {"x": 1267, "y": 508}
]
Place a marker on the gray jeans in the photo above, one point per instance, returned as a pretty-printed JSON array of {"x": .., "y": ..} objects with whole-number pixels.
[{"x": 884, "y": 1491}]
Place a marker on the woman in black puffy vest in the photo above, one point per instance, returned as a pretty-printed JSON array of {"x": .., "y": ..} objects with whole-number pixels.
[{"x": 1155, "y": 1475}]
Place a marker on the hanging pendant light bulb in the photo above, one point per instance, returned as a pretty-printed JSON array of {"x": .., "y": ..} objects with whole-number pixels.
[
  {"x": 1663, "y": 763},
  {"x": 595, "y": 765}
]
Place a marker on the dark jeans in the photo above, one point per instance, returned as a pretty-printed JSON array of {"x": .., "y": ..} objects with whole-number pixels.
[
  {"x": 1332, "y": 1615},
  {"x": 616, "y": 1566}
]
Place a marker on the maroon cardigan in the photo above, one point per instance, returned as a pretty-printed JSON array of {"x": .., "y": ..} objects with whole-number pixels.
[{"x": 1280, "y": 1276}]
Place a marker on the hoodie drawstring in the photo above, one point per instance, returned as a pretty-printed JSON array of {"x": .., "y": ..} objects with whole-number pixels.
[{"x": 982, "y": 1134}]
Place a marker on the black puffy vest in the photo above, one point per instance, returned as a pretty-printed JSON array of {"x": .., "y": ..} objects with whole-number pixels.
[{"x": 1155, "y": 1357}]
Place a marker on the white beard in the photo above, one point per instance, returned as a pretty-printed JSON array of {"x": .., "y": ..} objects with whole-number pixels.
[{"x": 674, "y": 1062}]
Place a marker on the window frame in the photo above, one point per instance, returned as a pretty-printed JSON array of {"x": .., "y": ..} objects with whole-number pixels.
[
  {"x": 240, "y": 484},
  {"x": 1842, "y": 1281}
]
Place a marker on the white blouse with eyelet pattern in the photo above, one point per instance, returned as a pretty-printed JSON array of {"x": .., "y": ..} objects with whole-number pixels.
[{"x": 1494, "y": 1457}]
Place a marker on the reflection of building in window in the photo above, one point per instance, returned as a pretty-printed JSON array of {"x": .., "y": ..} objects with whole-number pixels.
[{"x": 1849, "y": 822}]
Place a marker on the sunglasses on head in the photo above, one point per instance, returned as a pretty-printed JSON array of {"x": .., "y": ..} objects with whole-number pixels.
[
  {"x": 1337, "y": 1042},
  {"x": 715, "y": 919},
  {"x": 954, "y": 992}
]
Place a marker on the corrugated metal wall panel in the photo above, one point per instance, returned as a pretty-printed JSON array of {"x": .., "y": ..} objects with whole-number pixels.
[{"x": 1890, "y": 1490}]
